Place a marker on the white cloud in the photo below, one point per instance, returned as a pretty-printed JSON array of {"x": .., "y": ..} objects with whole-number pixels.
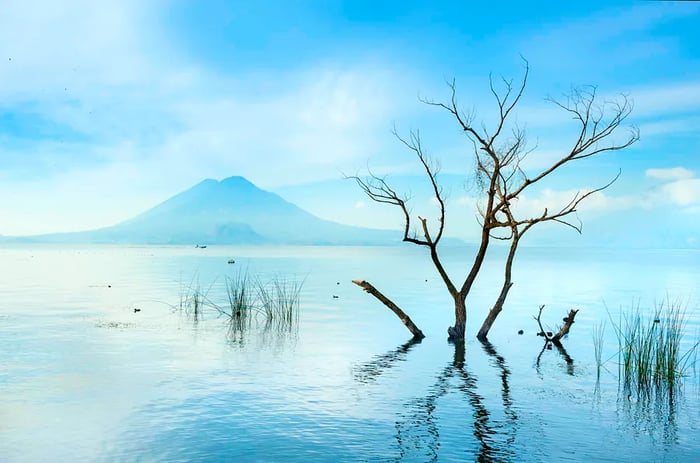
[
  {"x": 659, "y": 109},
  {"x": 672, "y": 173},
  {"x": 669, "y": 98},
  {"x": 149, "y": 124},
  {"x": 684, "y": 192},
  {"x": 466, "y": 201},
  {"x": 681, "y": 188},
  {"x": 674, "y": 125},
  {"x": 555, "y": 200}
]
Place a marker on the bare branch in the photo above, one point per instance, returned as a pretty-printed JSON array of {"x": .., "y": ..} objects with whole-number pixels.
[
  {"x": 499, "y": 151},
  {"x": 504, "y": 106},
  {"x": 568, "y": 209},
  {"x": 378, "y": 190},
  {"x": 431, "y": 169},
  {"x": 593, "y": 130}
]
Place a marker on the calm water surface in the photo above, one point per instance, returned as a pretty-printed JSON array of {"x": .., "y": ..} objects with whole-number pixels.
[{"x": 85, "y": 378}]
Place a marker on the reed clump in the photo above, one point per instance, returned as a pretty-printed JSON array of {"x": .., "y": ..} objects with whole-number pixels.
[
  {"x": 598, "y": 337},
  {"x": 240, "y": 310},
  {"x": 193, "y": 300},
  {"x": 279, "y": 300},
  {"x": 652, "y": 354},
  {"x": 273, "y": 304}
]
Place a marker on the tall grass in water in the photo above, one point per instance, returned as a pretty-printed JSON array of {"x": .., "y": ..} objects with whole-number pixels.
[
  {"x": 650, "y": 353},
  {"x": 241, "y": 297},
  {"x": 279, "y": 301},
  {"x": 192, "y": 300},
  {"x": 598, "y": 337},
  {"x": 249, "y": 302},
  {"x": 241, "y": 303}
]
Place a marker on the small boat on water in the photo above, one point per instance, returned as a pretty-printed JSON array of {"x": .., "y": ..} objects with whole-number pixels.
[{"x": 201, "y": 246}]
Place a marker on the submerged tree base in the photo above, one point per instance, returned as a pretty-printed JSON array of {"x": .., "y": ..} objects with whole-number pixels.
[{"x": 455, "y": 334}]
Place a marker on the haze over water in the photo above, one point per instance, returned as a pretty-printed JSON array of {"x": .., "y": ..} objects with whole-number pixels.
[{"x": 86, "y": 378}]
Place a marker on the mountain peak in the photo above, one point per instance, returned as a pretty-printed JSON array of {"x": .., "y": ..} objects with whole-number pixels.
[
  {"x": 228, "y": 211},
  {"x": 233, "y": 181},
  {"x": 236, "y": 180}
]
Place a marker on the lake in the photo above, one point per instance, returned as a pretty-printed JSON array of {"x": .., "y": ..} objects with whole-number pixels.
[{"x": 85, "y": 377}]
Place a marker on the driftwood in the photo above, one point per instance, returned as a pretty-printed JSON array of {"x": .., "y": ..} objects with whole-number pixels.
[
  {"x": 405, "y": 319},
  {"x": 563, "y": 330}
]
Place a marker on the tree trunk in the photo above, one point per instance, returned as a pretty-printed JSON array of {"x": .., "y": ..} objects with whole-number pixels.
[
  {"x": 483, "y": 333},
  {"x": 507, "y": 284},
  {"x": 456, "y": 333}
]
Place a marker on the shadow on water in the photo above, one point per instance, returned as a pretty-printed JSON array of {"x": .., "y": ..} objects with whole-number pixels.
[{"x": 418, "y": 430}]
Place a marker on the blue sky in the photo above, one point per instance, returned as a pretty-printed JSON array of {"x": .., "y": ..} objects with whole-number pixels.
[{"x": 107, "y": 108}]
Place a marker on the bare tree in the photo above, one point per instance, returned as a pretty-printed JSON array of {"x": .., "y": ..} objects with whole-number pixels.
[{"x": 499, "y": 155}]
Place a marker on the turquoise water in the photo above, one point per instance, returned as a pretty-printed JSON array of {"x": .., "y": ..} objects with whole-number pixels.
[{"x": 86, "y": 378}]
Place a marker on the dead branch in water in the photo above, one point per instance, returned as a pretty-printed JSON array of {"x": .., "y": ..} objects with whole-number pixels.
[
  {"x": 405, "y": 319},
  {"x": 563, "y": 330}
]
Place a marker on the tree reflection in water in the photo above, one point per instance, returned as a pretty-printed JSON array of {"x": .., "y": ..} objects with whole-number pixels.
[
  {"x": 418, "y": 429},
  {"x": 369, "y": 372},
  {"x": 564, "y": 355}
]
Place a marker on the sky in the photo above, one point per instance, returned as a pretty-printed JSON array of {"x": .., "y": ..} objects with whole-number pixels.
[{"x": 109, "y": 108}]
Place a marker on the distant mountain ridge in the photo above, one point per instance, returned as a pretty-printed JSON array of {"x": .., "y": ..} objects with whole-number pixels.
[{"x": 230, "y": 211}]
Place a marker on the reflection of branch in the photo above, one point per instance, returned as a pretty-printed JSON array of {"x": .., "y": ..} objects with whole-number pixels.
[
  {"x": 369, "y": 372},
  {"x": 484, "y": 430},
  {"x": 419, "y": 430},
  {"x": 562, "y": 351},
  {"x": 555, "y": 339},
  {"x": 505, "y": 387},
  {"x": 567, "y": 358}
]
